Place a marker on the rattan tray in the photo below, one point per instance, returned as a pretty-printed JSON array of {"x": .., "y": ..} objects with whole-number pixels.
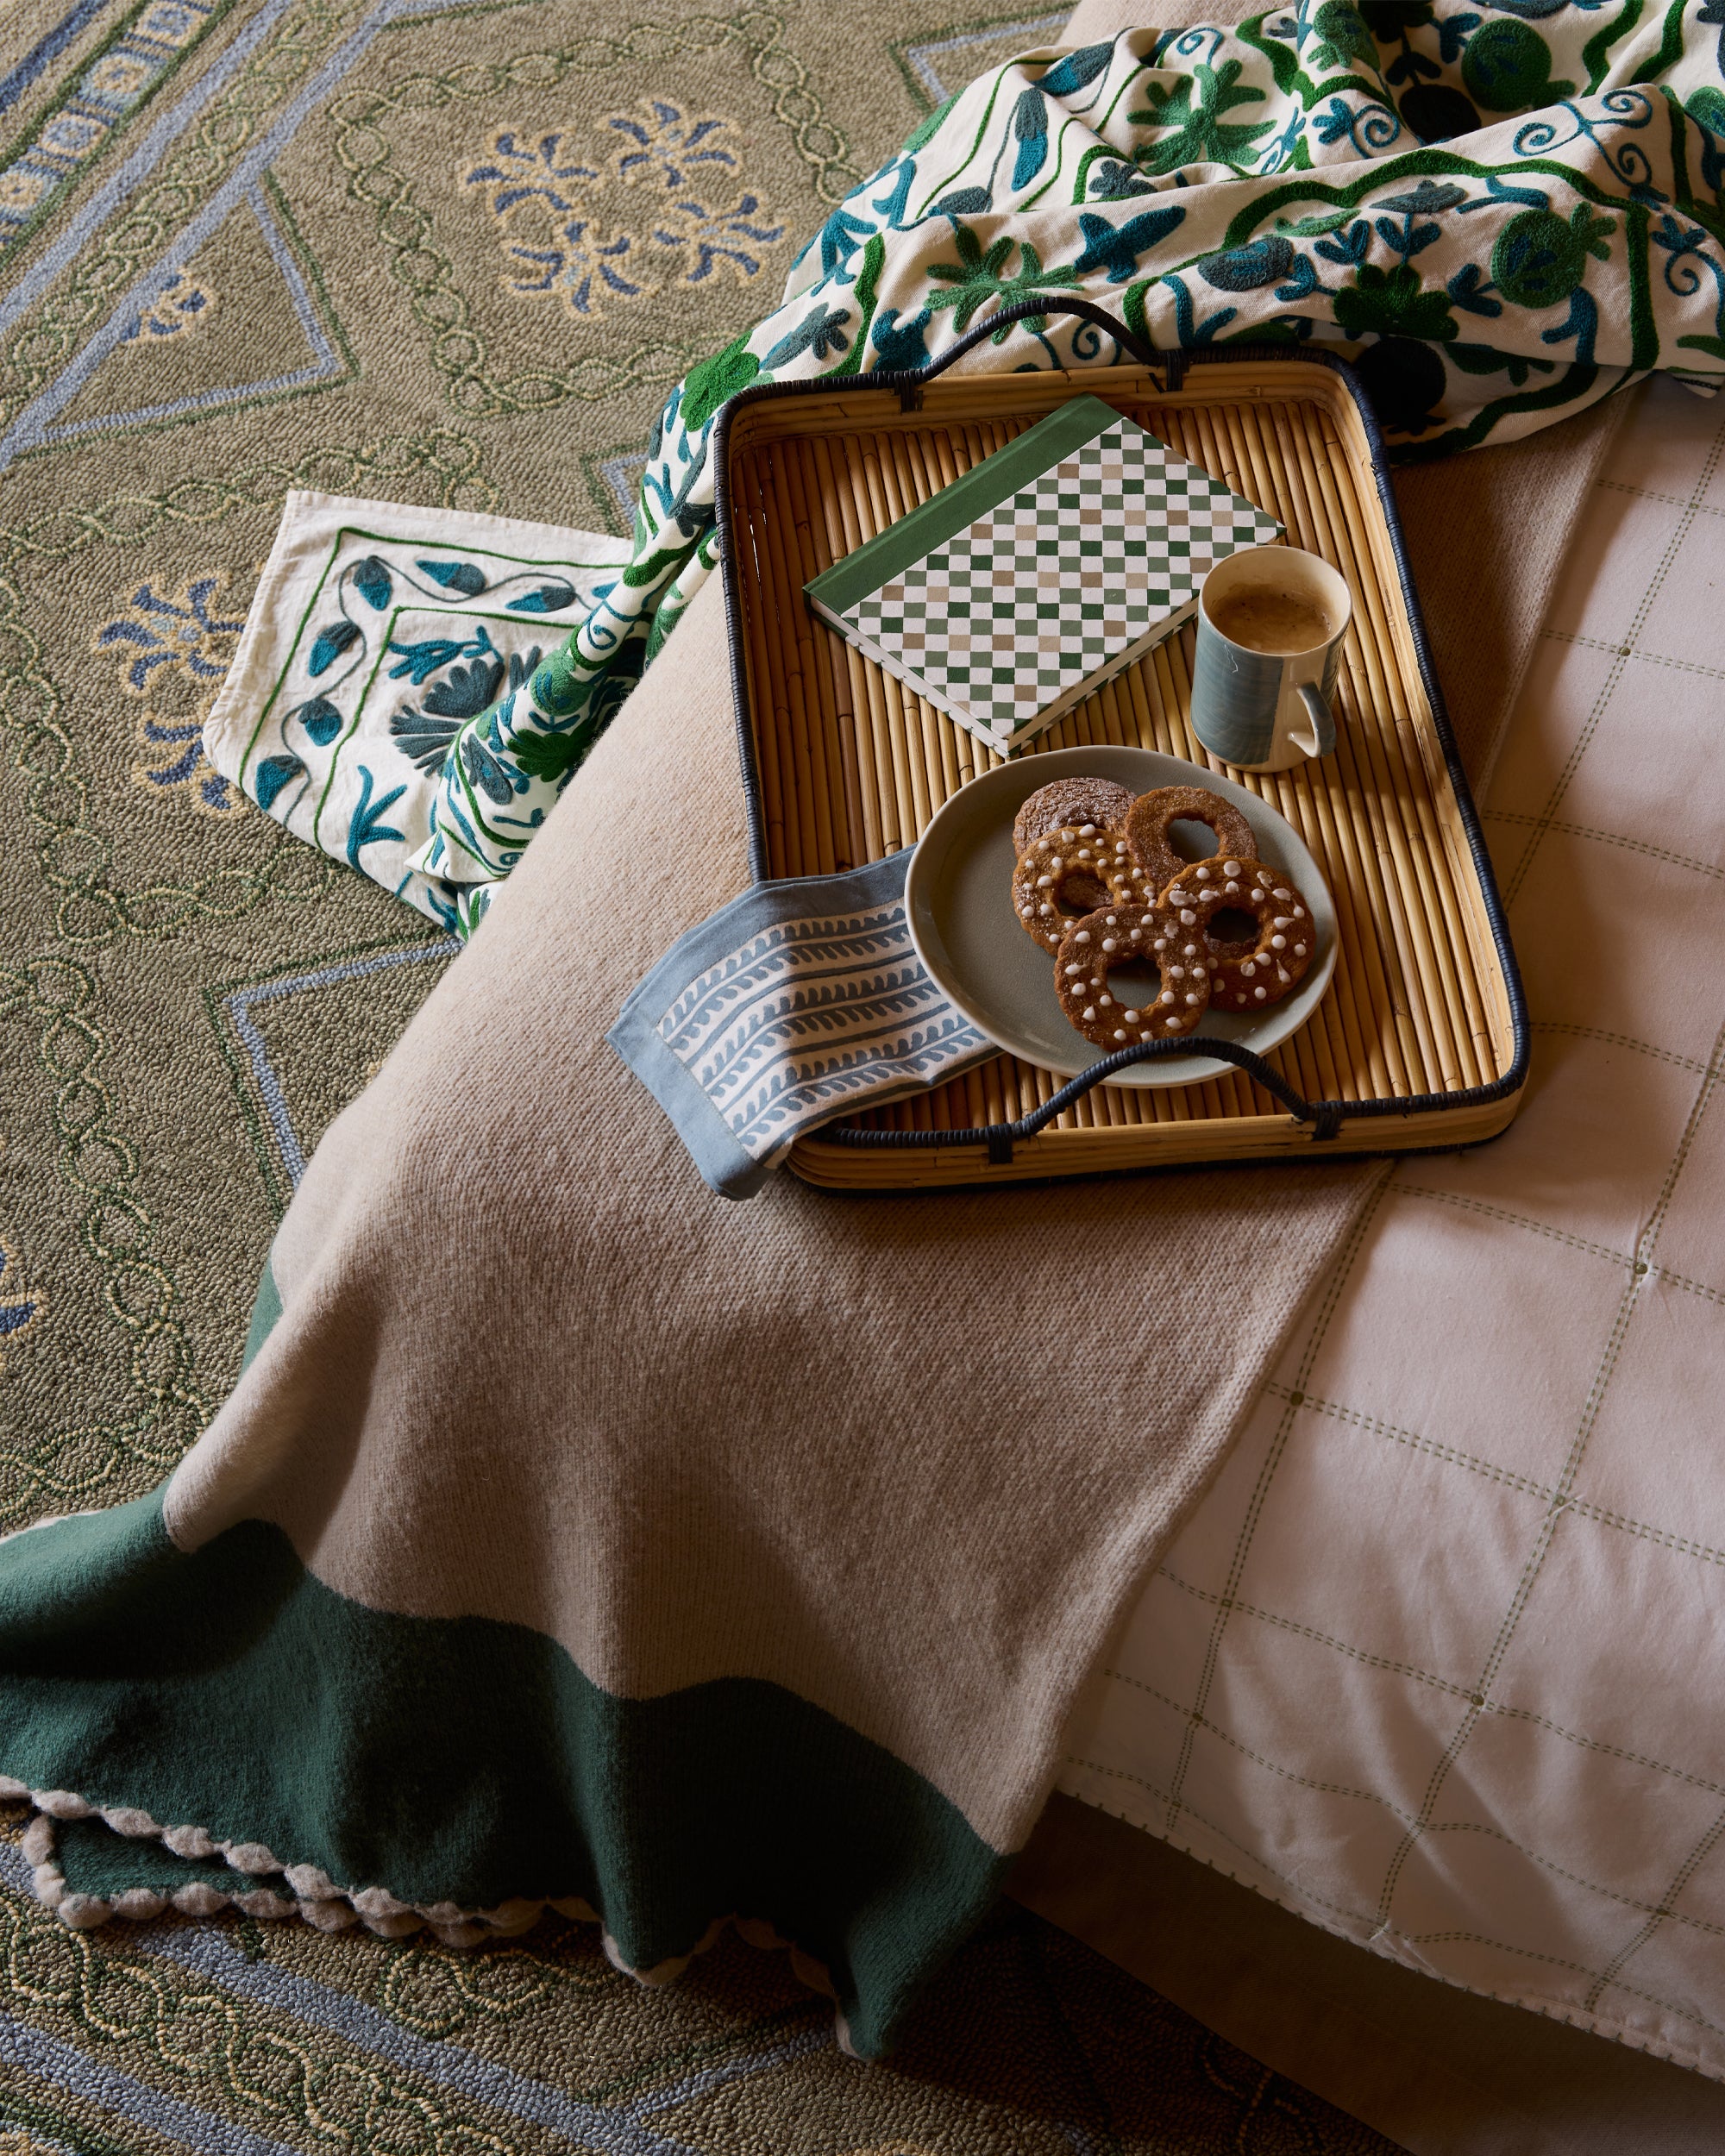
[{"x": 1422, "y": 1040}]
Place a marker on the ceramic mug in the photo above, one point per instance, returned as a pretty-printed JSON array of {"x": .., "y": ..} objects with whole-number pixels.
[{"x": 1264, "y": 710}]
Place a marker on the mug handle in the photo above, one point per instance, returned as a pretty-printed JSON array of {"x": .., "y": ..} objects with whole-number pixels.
[{"x": 1323, "y": 738}]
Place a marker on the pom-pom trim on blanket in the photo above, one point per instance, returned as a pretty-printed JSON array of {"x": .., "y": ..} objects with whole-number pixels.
[{"x": 313, "y": 1896}]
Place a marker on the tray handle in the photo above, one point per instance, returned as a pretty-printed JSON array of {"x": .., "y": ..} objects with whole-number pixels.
[
  {"x": 910, "y": 382},
  {"x": 1324, "y": 1116}
]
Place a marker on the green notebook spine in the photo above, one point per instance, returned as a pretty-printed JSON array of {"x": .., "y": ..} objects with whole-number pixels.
[{"x": 945, "y": 514}]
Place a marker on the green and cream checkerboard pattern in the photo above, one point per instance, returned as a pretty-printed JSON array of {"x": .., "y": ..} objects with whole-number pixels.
[
  {"x": 1437, "y": 1662},
  {"x": 1060, "y": 585}
]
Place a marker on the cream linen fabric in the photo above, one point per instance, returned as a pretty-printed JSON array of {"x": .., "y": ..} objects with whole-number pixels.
[{"x": 1438, "y": 1662}]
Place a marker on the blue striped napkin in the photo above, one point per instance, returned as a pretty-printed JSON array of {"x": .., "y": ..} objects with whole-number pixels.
[{"x": 800, "y": 1001}]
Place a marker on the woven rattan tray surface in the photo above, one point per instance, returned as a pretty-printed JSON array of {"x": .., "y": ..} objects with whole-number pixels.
[{"x": 1422, "y": 1040}]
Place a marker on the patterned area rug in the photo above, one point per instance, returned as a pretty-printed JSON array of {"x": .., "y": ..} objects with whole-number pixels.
[{"x": 447, "y": 252}]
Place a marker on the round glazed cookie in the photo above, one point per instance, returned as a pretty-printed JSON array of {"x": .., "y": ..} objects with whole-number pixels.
[
  {"x": 1250, "y": 974},
  {"x": 1143, "y": 936},
  {"x": 1066, "y": 873},
  {"x": 1152, "y": 814},
  {"x": 1074, "y": 801}
]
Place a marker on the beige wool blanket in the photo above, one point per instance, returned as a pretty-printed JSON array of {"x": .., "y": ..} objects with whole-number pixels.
[{"x": 576, "y": 1536}]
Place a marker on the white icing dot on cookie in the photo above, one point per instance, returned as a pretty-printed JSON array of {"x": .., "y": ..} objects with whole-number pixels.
[
  {"x": 1258, "y": 992},
  {"x": 1111, "y": 942},
  {"x": 1167, "y": 995},
  {"x": 1278, "y": 942},
  {"x": 1082, "y": 936},
  {"x": 1231, "y": 890},
  {"x": 1279, "y": 920},
  {"x": 1203, "y": 875},
  {"x": 1283, "y": 895},
  {"x": 1113, "y": 919},
  {"x": 1247, "y": 966},
  {"x": 1191, "y": 950},
  {"x": 1177, "y": 972},
  {"x": 1045, "y": 907},
  {"x": 1131, "y": 1017},
  {"x": 1231, "y": 868},
  {"x": 1299, "y": 912},
  {"x": 1086, "y": 830},
  {"x": 1299, "y": 951},
  {"x": 1119, "y": 1035},
  {"x": 1161, "y": 943},
  {"x": 1283, "y": 975},
  {"x": 1188, "y": 919},
  {"x": 1089, "y": 1010},
  {"x": 1105, "y": 1001},
  {"x": 1056, "y": 864},
  {"x": 1071, "y": 969},
  {"x": 1191, "y": 998}
]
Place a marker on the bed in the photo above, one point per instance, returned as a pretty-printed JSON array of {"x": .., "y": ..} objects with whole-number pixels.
[{"x": 1434, "y": 1663}]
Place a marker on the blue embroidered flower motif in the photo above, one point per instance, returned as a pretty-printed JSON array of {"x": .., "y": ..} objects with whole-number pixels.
[
  {"x": 273, "y": 774},
  {"x": 423, "y": 734},
  {"x": 464, "y": 577},
  {"x": 367, "y": 827},
  {"x": 332, "y": 639}
]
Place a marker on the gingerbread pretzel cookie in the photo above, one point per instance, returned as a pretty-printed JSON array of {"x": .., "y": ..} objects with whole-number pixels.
[
  {"x": 1074, "y": 801},
  {"x": 1152, "y": 814},
  {"x": 1067, "y": 874},
  {"x": 1247, "y": 974},
  {"x": 1149, "y": 938}
]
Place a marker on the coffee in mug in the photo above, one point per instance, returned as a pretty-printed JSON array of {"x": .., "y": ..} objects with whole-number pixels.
[
  {"x": 1271, "y": 623},
  {"x": 1279, "y": 622}
]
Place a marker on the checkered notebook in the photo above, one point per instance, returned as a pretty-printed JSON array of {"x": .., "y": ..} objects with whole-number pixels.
[{"x": 1047, "y": 568}]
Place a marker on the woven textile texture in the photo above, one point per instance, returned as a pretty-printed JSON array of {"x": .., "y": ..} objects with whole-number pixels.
[
  {"x": 246, "y": 257},
  {"x": 1479, "y": 1736}
]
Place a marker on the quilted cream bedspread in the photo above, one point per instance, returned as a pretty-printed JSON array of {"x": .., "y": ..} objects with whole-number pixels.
[{"x": 1438, "y": 1661}]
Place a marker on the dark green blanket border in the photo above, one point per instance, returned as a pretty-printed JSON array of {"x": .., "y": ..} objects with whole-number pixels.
[{"x": 460, "y": 1759}]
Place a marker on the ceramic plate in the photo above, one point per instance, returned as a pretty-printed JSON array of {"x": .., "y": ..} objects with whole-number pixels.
[{"x": 958, "y": 899}]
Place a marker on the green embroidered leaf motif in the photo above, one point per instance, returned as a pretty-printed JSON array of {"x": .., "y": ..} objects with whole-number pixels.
[
  {"x": 1194, "y": 109},
  {"x": 976, "y": 277},
  {"x": 709, "y": 385},
  {"x": 1392, "y": 303},
  {"x": 1342, "y": 36},
  {"x": 547, "y": 756},
  {"x": 928, "y": 128}
]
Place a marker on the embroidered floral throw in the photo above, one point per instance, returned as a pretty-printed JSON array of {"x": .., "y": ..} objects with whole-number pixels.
[{"x": 1501, "y": 212}]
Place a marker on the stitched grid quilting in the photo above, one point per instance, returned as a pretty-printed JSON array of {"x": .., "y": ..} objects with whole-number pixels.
[{"x": 1431, "y": 1665}]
